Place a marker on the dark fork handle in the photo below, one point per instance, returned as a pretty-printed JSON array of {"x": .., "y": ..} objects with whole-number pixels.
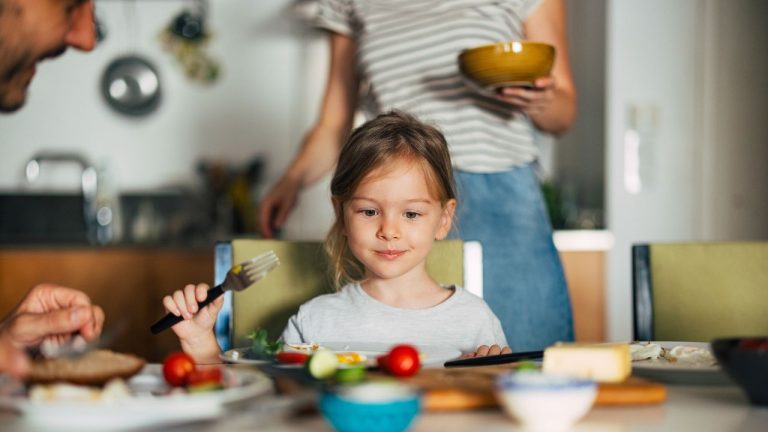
[
  {"x": 495, "y": 359},
  {"x": 169, "y": 320}
]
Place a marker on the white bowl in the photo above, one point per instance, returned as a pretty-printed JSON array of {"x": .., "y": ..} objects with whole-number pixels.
[{"x": 543, "y": 402}]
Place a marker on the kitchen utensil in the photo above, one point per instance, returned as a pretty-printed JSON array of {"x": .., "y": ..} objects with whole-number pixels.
[
  {"x": 238, "y": 278},
  {"x": 131, "y": 85},
  {"x": 77, "y": 345},
  {"x": 495, "y": 359}
]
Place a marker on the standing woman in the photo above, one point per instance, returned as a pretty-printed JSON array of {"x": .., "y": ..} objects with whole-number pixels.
[{"x": 402, "y": 54}]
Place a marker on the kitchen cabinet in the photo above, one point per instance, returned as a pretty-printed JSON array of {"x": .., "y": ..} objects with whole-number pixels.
[
  {"x": 126, "y": 282},
  {"x": 582, "y": 253}
]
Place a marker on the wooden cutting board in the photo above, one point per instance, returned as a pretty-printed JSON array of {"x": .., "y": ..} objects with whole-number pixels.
[{"x": 473, "y": 388}]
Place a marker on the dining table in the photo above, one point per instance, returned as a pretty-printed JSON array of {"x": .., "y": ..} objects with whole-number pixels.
[{"x": 721, "y": 407}]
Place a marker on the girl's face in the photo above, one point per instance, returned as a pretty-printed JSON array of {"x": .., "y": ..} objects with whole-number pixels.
[{"x": 392, "y": 220}]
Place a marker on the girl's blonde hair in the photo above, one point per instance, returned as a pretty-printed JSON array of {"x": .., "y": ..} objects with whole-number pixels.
[{"x": 390, "y": 136}]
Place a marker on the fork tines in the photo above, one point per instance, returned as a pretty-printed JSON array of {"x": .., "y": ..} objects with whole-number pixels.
[{"x": 255, "y": 268}]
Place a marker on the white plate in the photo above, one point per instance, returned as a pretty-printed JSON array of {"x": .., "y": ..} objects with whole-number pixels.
[
  {"x": 673, "y": 373},
  {"x": 431, "y": 356},
  {"x": 240, "y": 356},
  {"x": 662, "y": 363},
  {"x": 150, "y": 406}
]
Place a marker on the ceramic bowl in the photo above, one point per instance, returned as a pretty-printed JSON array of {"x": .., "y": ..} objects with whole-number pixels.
[
  {"x": 745, "y": 360},
  {"x": 510, "y": 63},
  {"x": 371, "y": 407},
  {"x": 542, "y": 402}
]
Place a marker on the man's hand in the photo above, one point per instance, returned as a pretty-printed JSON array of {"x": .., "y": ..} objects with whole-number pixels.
[
  {"x": 13, "y": 361},
  {"x": 52, "y": 312}
]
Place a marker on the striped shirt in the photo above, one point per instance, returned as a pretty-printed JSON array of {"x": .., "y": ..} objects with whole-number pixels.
[{"x": 407, "y": 60}]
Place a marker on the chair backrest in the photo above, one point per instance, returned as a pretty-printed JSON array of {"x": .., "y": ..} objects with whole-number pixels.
[
  {"x": 700, "y": 291},
  {"x": 303, "y": 274}
]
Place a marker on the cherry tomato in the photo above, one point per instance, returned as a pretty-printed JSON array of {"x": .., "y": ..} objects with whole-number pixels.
[
  {"x": 290, "y": 357},
  {"x": 177, "y": 367},
  {"x": 402, "y": 361},
  {"x": 205, "y": 376}
]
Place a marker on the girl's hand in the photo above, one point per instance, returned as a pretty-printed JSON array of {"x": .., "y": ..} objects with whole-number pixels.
[
  {"x": 530, "y": 100},
  {"x": 485, "y": 350},
  {"x": 196, "y": 331}
]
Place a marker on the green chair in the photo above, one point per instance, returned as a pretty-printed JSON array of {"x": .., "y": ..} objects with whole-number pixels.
[
  {"x": 700, "y": 291},
  {"x": 302, "y": 275}
]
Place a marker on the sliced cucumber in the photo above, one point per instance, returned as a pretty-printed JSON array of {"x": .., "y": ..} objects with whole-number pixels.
[
  {"x": 322, "y": 364},
  {"x": 347, "y": 374}
]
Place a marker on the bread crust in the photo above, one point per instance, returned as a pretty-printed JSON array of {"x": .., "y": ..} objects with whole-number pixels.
[{"x": 93, "y": 368}]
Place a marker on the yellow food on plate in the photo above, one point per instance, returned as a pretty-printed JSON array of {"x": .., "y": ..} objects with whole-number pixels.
[
  {"x": 607, "y": 362},
  {"x": 350, "y": 357}
]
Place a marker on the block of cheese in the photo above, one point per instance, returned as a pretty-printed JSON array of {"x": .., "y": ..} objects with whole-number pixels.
[{"x": 605, "y": 362}]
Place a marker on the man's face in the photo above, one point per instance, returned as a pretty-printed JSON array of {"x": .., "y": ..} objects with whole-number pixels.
[{"x": 32, "y": 30}]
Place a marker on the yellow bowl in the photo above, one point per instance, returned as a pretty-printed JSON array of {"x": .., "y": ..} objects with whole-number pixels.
[{"x": 510, "y": 63}]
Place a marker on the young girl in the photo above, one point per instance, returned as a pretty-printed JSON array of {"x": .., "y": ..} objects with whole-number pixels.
[{"x": 393, "y": 195}]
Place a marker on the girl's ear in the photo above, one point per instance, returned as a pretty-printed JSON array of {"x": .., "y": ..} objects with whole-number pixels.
[{"x": 446, "y": 219}]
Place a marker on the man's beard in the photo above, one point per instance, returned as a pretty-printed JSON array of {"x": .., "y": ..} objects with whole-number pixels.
[{"x": 12, "y": 73}]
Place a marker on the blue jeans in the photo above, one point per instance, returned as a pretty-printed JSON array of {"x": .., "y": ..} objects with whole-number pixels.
[{"x": 523, "y": 279}]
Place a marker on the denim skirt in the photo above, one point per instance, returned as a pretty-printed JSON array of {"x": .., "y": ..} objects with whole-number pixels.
[{"x": 523, "y": 279}]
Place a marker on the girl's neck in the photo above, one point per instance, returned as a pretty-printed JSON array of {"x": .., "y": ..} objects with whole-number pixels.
[{"x": 407, "y": 292}]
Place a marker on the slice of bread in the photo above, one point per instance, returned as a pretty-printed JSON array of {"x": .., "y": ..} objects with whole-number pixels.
[{"x": 93, "y": 368}]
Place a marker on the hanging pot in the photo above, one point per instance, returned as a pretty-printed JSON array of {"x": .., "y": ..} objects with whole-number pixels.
[{"x": 131, "y": 85}]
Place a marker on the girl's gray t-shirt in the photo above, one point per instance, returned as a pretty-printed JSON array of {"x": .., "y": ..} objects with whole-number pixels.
[{"x": 463, "y": 321}]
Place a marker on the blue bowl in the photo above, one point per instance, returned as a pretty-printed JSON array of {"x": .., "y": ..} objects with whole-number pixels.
[{"x": 347, "y": 413}]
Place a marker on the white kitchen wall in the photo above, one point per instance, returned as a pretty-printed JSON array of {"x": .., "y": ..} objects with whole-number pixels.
[
  {"x": 735, "y": 121},
  {"x": 261, "y": 105},
  {"x": 697, "y": 72}
]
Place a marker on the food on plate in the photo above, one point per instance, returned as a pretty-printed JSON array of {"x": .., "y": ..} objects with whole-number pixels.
[
  {"x": 176, "y": 367},
  {"x": 322, "y": 364},
  {"x": 205, "y": 379},
  {"x": 350, "y": 373},
  {"x": 606, "y": 362},
  {"x": 402, "y": 361},
  {"x": 180, "y": 370},
  {"x": 683, "y": 355},
  {"x": 308, "y": 348},
  {"x": 291, "y": 357},
  {"x": 115, "y": 389},
  {"x": 344, "y": 357},
  {"x": 261, "y": 347},
  {"x": 350, "y": 357},
  {"x": 92, "y": 368}
]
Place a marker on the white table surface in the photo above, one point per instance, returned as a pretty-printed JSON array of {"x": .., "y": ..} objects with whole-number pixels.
[{"x": 688, "y": 408}]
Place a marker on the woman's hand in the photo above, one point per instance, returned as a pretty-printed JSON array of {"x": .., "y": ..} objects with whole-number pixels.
[
  {"x": 196, "y": 331},
  {"x": 277, "y": 205},
  {"x": 530, "y": 100}
]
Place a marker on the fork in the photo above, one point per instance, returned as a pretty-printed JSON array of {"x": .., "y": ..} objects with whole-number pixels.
[
  {"x": 238, "y": 278},
  {"x": 77, "y": 346}
]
